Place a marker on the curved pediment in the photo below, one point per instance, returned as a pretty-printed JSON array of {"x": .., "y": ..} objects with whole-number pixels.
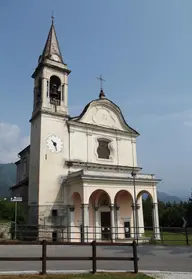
[{"x": 103, "y": 112}]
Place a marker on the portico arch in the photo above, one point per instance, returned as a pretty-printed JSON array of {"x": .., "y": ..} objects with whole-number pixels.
[
  {"x": 98, "y": 197},
  {"x": 124, "y": 217},
  {"x": 140, "y": 213},
  {"x": 150, "y": 226},
  {"x": 100, "y": 213}
]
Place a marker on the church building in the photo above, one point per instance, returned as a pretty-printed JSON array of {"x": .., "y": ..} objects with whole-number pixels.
[{"x": 79, "y": 176}]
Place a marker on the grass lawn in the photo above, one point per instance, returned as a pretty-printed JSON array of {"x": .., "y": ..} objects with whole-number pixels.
[
  {"x": 169, "y": 238},
  {"x": 82, "y": 276}
]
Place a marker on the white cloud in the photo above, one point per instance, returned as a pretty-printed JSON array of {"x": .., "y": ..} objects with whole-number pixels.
[{"x": 11, "y": 142}]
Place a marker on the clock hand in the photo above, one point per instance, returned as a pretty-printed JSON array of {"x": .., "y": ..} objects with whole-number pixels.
[{"x": 54, "y": 143}]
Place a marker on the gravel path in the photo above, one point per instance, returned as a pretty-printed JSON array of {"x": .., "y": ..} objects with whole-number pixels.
[{"x": 170, "y": 275}]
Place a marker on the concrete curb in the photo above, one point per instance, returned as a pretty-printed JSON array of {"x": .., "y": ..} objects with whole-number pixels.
[{"x": 34, "y": 272}]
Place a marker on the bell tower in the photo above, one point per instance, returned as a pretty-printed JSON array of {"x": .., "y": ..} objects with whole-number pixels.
[
  {"x": 51, "y": 79},
  {"x": 49, "y": 131}
]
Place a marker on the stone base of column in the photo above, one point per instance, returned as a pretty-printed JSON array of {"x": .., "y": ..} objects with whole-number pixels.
[{"x": 157, "y": 235}]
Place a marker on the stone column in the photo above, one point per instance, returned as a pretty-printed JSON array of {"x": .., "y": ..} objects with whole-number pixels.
[
  {"x": 134, "y": 220},
  {"x": 44, "y": 93},
  {"x": 112, "y": 208},
  {"x": 117, "y": 222},
  {"x": 66, "y": 90},
  {"x": 141, "y": 230},
  {"x": 156, "y": 230},
  {"x": 85, "y": 222},
  {"x": 135, "y": 208},
  {"x": 71, "y": 223},
  {"x": 97, "y": 224}
]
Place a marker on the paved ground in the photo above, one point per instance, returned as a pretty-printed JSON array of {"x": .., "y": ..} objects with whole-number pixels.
[{"x": 151, "y": 258}]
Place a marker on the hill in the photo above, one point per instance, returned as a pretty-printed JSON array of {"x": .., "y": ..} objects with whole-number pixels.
[
  {"x": 167, "y": 198},
  {"x": 7, "y": 178}
]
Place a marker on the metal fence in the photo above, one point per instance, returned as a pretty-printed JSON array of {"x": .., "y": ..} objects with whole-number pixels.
[
  {"x": 93, "y": 257},
  {"x": 171, "y": 236},
  {"x": 148, "y": 235}
]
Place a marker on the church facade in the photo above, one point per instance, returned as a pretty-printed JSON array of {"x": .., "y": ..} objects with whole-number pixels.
[{"x": 79, "y": 176}]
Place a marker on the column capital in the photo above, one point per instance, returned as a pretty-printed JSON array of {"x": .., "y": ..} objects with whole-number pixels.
[
  {"x": 117, "y": 206},
  {"x": 72, "y": 208},
  {"x": 96, "y": 208},
  {"x": 84, "y": 205},
  {"x": 112, "y": 206},
  {"x": 154, "y": 204},
  {"x": 135, "y": 206}
]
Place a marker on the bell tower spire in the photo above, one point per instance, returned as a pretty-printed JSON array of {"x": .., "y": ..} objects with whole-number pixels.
[
  {"x": 51, "y": 79},
  {"x": 51, "y": 49}
]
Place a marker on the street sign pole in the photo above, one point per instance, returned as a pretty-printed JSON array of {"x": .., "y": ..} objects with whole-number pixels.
[
  {"x": 16, "y": 200},
  {"x": 184, "y": 222}
]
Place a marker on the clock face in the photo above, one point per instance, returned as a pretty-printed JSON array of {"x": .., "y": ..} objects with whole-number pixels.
[
  {"x": 54, "y": 143},
  {"x": 55, "y": 57}
]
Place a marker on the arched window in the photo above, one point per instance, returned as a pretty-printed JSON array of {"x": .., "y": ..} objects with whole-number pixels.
[
  {"x": 55, "y": 90},
  {"x": 103, "y": 150}
]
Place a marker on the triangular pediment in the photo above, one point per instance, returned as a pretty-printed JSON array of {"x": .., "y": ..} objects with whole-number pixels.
[{"x": 104, "y": 113}]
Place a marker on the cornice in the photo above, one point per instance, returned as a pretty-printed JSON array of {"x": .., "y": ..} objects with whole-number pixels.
[
  {"x": 60, "y": 67},
  {"x": 112, "y": 179},
  {"x": 42, "y": 111},
  {"x": 103, "y": 167}
]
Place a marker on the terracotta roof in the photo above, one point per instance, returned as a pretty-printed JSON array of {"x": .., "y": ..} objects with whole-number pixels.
[{"x": 21, "y": 183}]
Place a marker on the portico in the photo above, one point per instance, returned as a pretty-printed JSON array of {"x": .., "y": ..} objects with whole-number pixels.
[{"x": 103, "y": 205}]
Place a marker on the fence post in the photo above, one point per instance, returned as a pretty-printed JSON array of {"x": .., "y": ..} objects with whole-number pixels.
[
  {"x": 94, "y": 257},
  {"x": 44, "y": 255},
  {"x": 186, "y": 234},
  {"x": 162, "y": 240},
  {"x": 135, "y": 260}
]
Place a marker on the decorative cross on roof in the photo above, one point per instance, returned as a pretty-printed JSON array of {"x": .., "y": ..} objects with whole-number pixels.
[
  {"x": 52, "y": 16},
  {"x": 101, "y": 81}
]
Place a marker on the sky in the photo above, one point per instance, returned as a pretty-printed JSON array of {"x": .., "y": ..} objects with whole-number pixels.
[{"x": 143, "y": 49}]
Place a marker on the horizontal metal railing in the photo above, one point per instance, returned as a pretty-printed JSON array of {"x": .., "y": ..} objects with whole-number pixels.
[{"x": 162, "y": 235}]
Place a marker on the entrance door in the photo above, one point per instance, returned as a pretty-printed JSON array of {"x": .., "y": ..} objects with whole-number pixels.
[
  {"x": 54, "y": 236},
  {"x": 105, "y": 225}
]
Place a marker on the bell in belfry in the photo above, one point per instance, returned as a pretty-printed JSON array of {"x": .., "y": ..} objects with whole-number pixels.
[{"x": 54, "y": 92}]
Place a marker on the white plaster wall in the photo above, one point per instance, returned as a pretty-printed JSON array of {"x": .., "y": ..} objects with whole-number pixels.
[
  {"x": 34, "y": 160},
  {"x": 84, "y": 143},
  {"x": 78, "y": 146},
  {"x": 52, "y": 165}
]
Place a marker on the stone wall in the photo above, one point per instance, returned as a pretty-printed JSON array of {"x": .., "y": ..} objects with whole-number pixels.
[{"x": 5, "y": 231}]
